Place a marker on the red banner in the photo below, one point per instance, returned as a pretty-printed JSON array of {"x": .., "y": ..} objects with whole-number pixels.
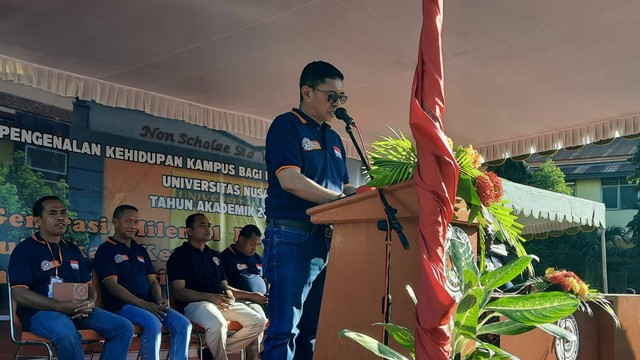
[{"x": 436, "y": 180}]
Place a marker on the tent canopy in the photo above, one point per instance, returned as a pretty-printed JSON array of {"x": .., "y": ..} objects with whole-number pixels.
[
  {"x": 542, "y": 211},
  {"x": 520, "y": 77}
]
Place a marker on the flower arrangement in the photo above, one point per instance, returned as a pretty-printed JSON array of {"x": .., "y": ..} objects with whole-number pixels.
[
  {"x": 569, "y": 282},
  {"x": 393, "y": 160},
  {"x": 481, "y": 307}
]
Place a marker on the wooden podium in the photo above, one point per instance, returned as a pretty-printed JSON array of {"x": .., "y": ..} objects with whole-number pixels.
[{"x": 355, "y": 284}]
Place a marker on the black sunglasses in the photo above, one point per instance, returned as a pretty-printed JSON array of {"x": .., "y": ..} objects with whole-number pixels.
[{"x": 332, "y": 97}]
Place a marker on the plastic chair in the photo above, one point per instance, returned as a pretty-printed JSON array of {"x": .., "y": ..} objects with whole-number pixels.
[
  {"x": 199, "y": 331},
  {"x": 27, "y": 338}
]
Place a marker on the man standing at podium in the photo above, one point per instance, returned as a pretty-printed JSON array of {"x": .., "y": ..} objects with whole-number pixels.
[{"x": 306, "y": 164}]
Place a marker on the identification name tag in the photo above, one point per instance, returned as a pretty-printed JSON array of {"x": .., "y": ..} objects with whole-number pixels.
[{"x": 53, "y": 280}]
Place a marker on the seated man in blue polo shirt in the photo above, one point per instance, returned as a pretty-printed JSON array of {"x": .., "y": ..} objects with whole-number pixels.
[
  {"x": 132, "y": 290},
  {"x": 198, "y": 284},
  {"x": 39, "y": 262},
  {"x": 243, "y": 269}
]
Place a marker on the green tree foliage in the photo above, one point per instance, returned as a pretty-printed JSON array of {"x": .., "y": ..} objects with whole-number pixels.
[
  {"x": 516, "y": 171},
  {"x": 20, "y": 187},
  {"x": 550, "y": 177},
  {"x": 623, "y": 252},
  {"x": 580, "y": 253},
  {"x": 634, "y": 224}
]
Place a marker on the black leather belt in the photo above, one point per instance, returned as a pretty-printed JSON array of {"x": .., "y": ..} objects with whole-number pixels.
[{"x": 298, "y": 224}]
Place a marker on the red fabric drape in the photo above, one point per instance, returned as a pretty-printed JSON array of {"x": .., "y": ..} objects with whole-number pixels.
[{"x": 436, "y": 180}]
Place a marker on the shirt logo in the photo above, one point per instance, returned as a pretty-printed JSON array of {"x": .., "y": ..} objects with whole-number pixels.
[
  {"x": 242, "y": 267},
  {"x": 74, "y": 264},
  {"x": 45, "y": 265},
  {"x": 216, "y": 260},
  {"x": 140, "y": 258},
  {"x": 337, "y": 151},
  {"x": 308, "y": 145},
  {"x": 120, "y": 258}
]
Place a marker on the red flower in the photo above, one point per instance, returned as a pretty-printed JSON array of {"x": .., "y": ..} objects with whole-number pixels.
[
  {"x": 498, "y": 190},
  {"x": 568, "y": 281},
  {"x": 489, "y": 188}
]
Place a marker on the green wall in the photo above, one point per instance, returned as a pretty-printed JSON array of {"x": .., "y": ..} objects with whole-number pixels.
[{"x": 591, "y": 189}]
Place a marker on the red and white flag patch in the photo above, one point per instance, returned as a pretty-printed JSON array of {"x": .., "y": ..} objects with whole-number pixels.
[{"x": 337, "y": 151}]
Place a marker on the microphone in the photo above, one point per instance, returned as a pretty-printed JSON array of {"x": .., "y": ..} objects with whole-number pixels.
[{"x": 341, "y": 113}]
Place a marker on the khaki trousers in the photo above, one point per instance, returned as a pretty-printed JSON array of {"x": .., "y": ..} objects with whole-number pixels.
[{"x": 214, "y": 320}]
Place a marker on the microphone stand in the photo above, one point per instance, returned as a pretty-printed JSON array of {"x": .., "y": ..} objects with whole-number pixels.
[{"x": 392, "y": 220}]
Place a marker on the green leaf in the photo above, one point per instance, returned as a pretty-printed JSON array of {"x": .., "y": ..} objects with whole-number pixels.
[
  {"x": 466, "y": 317},
  {"x": 470, "y": 282},
  {"x": 508, "y": 229},
  {"x": 465, "y": 187},
  {"x": 393, "y": 160},
  {"x": 502, "y": 275},
  {"x": 489, "y": 351},
  {"x": 373, "y": 345},
  {"x": 461, "y": 252},
  {"x": 474, "y": 212},
  {"x": 507, "y": 327},
  {"x": 555, "y": 330},
  {"x": 401, "y": 335},
  {"x": 537, "y": 308}
]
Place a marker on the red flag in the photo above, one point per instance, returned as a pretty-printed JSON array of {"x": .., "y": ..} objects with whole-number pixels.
[{"x": 436, "y": 181}]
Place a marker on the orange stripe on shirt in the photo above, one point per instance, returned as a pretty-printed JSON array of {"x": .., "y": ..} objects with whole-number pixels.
[
  {"x": 300, "y": 117},
  {"x": 287, "y": 167},
  {"x": 19, "y": 286}
]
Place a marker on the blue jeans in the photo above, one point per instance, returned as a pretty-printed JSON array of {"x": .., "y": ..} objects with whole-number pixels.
[
  {"x": 61, "y": 330},
  {"x": 179, "y": 327},
  {"x": 294, "y": 263}
]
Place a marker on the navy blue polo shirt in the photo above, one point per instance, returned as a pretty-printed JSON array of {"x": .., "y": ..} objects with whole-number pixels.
[
  {"x": 295, "y": 140},
  {"x": 33, "y": 263},
  {"x": 243, "y": 272},
  {"x": 201, "y": 270},
  {"x": 132, "y": 265}
]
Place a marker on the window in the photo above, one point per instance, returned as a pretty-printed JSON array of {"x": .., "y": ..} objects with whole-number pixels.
[
  {"x": 572, "y": 185},
  {"x": 618, "y": 194},
  {"x": 45, "y": 160}
]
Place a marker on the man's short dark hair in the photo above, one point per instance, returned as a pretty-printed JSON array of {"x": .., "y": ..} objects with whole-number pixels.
[
  {"x": 248, "y": 231},
  {"x": 117, "y": 213},
  {"x": 38, "y": 206},
  {"x": 316, "y": 72},
  {"x": 191, "y": 220}
]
